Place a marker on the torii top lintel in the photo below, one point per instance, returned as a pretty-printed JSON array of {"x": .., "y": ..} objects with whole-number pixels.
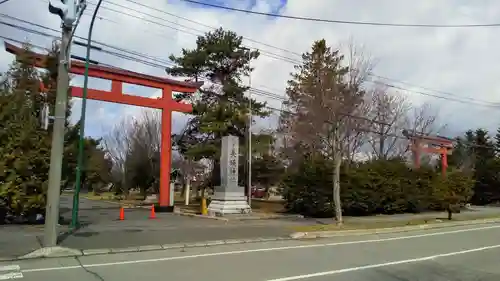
[
  {"x": 435, "y": 140},
  {"x": 119, "y": 76}
]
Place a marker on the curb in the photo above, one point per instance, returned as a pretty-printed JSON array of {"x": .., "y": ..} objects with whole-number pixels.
[
  {"x": 180, "y": 213},
  {"x": 201, "y": 216},
  {"x": 340, "y": 233},
  {"x": 125, "y": 206},
  {"x": 58, "y": 252},
  {"x": 272, "y": 217}
]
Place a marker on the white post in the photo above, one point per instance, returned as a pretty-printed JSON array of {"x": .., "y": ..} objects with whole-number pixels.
[
  {"x": 187, "y": 191},
  {"x": 172, "y": 194},
  {"x": 250, "y": 138}
]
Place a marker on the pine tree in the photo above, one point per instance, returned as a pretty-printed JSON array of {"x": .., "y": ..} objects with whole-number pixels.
[
  {"x": 24, "y": 147},
  {"x": 321, "y": 101},
  {"x": 486, "y": 169},
  {"x": 497, "y": 142},
  {"x": 221, "y": 108}
]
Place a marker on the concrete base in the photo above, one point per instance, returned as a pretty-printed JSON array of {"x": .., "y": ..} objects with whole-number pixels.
[
  {"x": 220, "y": 207},
  {"x": 151, "y": 199},
  {"x": 164, "y": 209},
  {"x": 52, "y": 252}
]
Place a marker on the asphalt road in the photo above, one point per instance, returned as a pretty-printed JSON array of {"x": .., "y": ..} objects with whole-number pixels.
[
  {"x": 101, "y": 229},
  {"x": 460, "y": 253}
]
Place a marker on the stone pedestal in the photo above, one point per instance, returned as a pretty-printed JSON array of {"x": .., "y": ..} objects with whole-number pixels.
[
  {"x": 229, "y": 198},
  {"x": 223, "y": 205}
]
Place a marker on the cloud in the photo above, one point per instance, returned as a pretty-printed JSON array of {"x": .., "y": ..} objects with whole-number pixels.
[{"x": 456, "y": 60}]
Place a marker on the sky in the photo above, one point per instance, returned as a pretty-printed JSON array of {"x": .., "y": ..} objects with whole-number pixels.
[{"x": 460, "y": 63}]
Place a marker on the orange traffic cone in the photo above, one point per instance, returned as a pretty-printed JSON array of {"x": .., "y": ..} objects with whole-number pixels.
[
  {"x": 122, "y": 214},
  {"x": 153, "y": 214}
]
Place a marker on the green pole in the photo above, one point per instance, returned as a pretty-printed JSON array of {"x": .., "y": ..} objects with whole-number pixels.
[{"x": 81, "y": 141}]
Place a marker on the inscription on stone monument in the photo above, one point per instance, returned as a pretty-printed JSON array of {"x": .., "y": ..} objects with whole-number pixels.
[
  {"x": 232, "y": 163},
  {"x": 229, "y": 164},
  {"x": 229, "y": 197}
]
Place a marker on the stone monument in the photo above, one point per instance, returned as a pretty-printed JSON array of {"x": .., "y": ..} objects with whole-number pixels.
[{"x": 229, "y": 197}]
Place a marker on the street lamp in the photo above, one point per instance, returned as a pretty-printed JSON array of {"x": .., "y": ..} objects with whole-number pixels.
[
  {"x": 81, "y": 142},
  {"x": 250, "y": 119}
]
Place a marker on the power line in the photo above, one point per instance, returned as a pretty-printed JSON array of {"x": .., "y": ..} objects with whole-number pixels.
[
  {"x": 426, "y": 88},
  {"x": 264, "y": 52},
  {"x": 22, "y": 42},
  {"x": 4, "y": 1},
  {"x": 369, "y": 23},
  {"x": 392, "y": 126},
  {"x": 209, "y": 26},
  {"x": 153, "y": 63},
  {"x": 285, "y": 59},
  {"x": 281, "y": 58},
  {"x": 79, "y": 37},
  {"x": 476, "y": 102},
  {"x": 258, "y": 92},
  {"x": 160, "y": 63}
]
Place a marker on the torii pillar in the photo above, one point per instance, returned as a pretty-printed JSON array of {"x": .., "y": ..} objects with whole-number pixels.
[{"x": 166, "y": 103}]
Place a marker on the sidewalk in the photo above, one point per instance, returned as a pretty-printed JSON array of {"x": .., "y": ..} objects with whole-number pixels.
[
  {"x": 101, "y": 229},
  {"x": 166, "y": 229}
]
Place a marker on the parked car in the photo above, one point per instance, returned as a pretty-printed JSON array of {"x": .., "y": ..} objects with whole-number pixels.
[{"x": 258, "y": 192}]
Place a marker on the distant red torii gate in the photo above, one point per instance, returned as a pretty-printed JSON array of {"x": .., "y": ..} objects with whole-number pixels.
[
  {"x": 118, "y": 77},
  {"x": 435, "y": 144}
]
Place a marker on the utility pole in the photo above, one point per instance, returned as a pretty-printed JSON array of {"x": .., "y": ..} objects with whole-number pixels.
[{"x": 67, "y": 10}]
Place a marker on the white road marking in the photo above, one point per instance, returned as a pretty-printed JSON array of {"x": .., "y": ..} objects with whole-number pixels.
[
  {"x": 258, "y": 250},
  {"x": 11, "y": 275},
  {"x": 10, "y": 267},
  {"x": 370, "y": 266}
]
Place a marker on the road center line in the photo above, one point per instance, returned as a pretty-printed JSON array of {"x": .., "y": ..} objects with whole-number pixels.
[
  {"x": 260, "y": 250},
  {"x": 371, "y": 266}
]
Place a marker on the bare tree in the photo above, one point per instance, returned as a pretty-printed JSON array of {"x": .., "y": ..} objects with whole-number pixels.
[
  {"x": 393, "y": 113},
  {"x": 134, "y": 145},
  {"x": 390, "y": 110},
  {"x": 423, "y": 120},
  {"x": 189, "y": 170},
  {"x": 360, "y": 66},
  {"x": 117, "y": 144},
  {"x": 359, "y": 62},
  {"x": 143, "y": 160}
]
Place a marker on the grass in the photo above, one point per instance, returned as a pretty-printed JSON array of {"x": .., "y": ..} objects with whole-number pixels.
[
  {"x": 352, "y": 224},
  {"x": 258, "y": 205},
  {"x": 134, "y": 198},
  {"x": 268, "y": 207},
  {"x": 265, "y": 207}
]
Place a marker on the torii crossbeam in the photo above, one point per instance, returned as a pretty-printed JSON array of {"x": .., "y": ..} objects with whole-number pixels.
[{"x": 165, "y": 103}]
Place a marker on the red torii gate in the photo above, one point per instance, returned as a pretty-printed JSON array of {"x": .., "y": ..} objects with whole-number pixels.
[
  {"x": 434, "y": 144},
  {"x": 118, "y": 77}
]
